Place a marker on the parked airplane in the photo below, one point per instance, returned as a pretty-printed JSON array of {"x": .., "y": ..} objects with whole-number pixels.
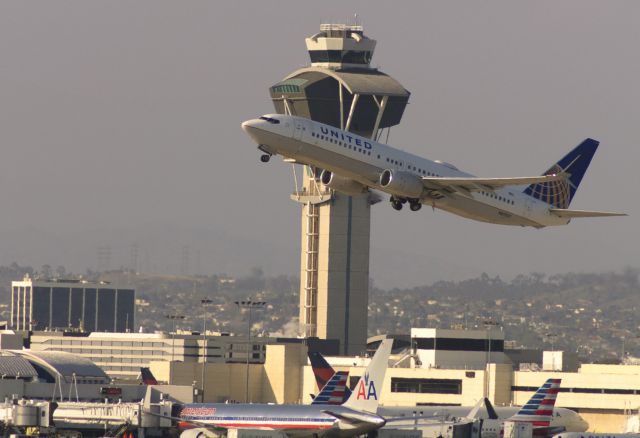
[
  {"x": 597, "y": 435},
  {"x": 352, "y": 164},
  {"x": 355, "y": 417},
  {"x": 538, "y": 411},
  {"x": 565, "y": 418},
  {"x": 147, "y": 377}
]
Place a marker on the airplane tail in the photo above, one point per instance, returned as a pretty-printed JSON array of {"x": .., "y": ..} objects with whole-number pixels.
[
  {"x": 560, "y": 193},
  {"x": 323, "y": 372},
  {"x": 366, "y": 393},
  {"x": 539, "y": 409},
  {"x": 147, "y": 376},
  {"x": 333, "y": 392}
]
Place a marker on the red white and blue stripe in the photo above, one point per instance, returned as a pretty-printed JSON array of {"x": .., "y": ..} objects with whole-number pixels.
[
  {"x": 333, "y": 392},
  {"x": 539, "y": 409}
]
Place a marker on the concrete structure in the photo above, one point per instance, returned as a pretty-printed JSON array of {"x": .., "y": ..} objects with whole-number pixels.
[
  {"x": 341, "y": 89},
  {"x": 122, "y": 354},
  {"x": 63, "y": 304},
  {"x": 58, "y": 376},
  {"x": 469, "y": 349}
]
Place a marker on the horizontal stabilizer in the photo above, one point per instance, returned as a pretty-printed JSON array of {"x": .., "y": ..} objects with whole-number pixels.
[
  {"x": 353, "y": 417},
  {"x": 561, "y": 212},
  {"x": 472, "y": 183}
]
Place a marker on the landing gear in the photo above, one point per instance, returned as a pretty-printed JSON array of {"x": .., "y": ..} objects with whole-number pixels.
[
  {"x": 415, "y": 205},
  {"x": 396, "y": 203},
  {"x": 266, "y": 154}
]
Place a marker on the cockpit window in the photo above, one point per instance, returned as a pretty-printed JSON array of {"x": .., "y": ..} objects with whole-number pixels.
[{"x": 270, "y": 119}]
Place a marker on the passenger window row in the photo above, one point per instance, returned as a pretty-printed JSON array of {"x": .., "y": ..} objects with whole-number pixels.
[
  {"x": 341, "y": 143},
  {"x": 498, "y": 197}
]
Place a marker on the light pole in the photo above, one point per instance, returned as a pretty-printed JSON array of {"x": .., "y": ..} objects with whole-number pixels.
[
  {"x": 173, "y": 317},
  {"x": 551, "y": 338},
  {"x": 250, "y": 305},
  {"x": 205, "y": 351},
  {"x": 489, "y": 324}
]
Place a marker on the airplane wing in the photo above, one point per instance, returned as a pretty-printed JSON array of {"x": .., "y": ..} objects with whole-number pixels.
[
  {"x": 473, "y": 184},
  {"x": 561, "y": 212}
]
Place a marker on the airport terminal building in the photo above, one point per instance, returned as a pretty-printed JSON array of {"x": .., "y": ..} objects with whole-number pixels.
[{"x": 53, "y": 304}]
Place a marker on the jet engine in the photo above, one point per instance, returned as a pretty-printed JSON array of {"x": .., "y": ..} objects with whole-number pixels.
[
  {"x": 341, "y": 184},
  {"x": 401, "y": 183},
  {"x": 199, "y": 432}
]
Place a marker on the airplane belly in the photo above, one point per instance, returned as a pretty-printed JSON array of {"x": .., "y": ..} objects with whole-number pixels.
[{"x": 480, "y": 211}]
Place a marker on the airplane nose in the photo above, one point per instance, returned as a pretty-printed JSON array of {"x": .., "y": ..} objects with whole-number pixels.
[{"x": 247, "y": 125}]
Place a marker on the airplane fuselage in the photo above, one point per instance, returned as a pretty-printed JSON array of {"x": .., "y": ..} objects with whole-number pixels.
[
  {"x": 364, "y": 160},
  {"x": 293, "y": 420}
]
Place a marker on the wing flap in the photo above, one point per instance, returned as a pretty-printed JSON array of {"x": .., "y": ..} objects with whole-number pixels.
[
  {"x": 472, "y": 183},
  {"x": 561, "y": 212}
]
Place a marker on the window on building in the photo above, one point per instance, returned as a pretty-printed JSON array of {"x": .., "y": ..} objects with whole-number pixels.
[{"x": 426, "y": 386}]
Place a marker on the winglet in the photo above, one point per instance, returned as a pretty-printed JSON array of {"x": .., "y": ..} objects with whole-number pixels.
[{"x": 366, "y": 394}]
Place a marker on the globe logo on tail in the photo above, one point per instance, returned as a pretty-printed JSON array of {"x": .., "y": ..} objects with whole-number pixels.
[{"x": 556, "y": 193}]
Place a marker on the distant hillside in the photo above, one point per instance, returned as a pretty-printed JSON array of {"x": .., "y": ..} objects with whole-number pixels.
[{"x": 591, "y": 313}]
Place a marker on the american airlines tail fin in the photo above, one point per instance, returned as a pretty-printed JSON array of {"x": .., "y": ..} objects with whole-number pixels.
[
  {"x": 559, "y": 193},
  {"x": 366, "y": 394},
  {"x": 147, "y": 376},
  {"x": 323, "y": 372},
  {"x": 333, "y": 392},
  {"x": 539, "y": 409}
]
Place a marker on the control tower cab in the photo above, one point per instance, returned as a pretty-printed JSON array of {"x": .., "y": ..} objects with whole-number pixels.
[
  {"x": 341, "y": 89},
  {"x": 340, "y": 46}
]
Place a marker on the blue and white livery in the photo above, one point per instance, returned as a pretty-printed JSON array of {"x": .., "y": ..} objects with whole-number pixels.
[{"x": 353, "y": 164}]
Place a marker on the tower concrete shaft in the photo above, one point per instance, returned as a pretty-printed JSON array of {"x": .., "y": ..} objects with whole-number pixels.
[
  {"x": 341, "y": 89},
  {"x": 334, "y": 277}
]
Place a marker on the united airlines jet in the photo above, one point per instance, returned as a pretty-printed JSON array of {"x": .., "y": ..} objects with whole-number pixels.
[{"x": 352, "y": 164}]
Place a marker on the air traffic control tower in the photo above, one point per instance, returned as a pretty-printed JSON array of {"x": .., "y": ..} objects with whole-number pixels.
[{"x": 339, "y": 88}]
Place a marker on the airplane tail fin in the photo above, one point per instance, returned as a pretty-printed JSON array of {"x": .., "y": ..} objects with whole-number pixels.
[
  {"x": 560, "y": 193},
  {"x": 365, "y": 395},
  {"x": 333, "y": 391},
  {"x": 147, "y": 376},
  {"x": 539, "y": 409},
  {"x": 322, "y": 371}
]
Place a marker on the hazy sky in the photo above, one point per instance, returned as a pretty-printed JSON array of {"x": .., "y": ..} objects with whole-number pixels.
[{"x": 120, "y": 125}]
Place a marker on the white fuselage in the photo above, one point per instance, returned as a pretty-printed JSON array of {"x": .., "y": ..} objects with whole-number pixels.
[{"x": 363, "y": 160}]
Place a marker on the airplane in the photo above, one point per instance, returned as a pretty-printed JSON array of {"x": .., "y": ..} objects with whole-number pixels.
[
  {"x": 565, "y": 418},
  {"x": 147, "y": 377},
  {"x": 538, "y": 411},
  {"x": 323, "y": 372},
  {"x": 353, "y": 164},
  {"x": 597, "y": 435},
  {"x": 354, "y": 417}
]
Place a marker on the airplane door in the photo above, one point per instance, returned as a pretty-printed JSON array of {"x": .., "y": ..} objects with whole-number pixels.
[{"x": 298, "y": 129}]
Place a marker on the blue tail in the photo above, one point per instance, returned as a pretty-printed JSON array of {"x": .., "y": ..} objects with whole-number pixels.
[{"x": 560, "y": 193}]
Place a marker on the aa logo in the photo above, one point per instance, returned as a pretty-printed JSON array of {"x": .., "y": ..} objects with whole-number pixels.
[{"x": 366, "y": 389}]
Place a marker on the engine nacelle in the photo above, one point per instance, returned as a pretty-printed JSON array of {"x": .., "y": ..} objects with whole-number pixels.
[
  {"x": 401, "y": 183},
  {"x": 341, "y": 184}
]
